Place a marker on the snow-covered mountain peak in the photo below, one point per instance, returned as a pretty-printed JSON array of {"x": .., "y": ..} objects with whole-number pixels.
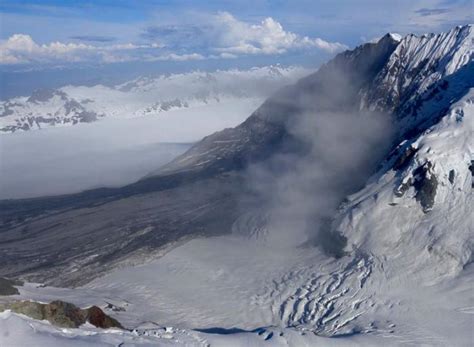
[
  {"x": 44, "y": 95},
  {"x": 396, "y": 36},
  {"x": 444, "y": 52},
  {"x": 417, "y": 63}
]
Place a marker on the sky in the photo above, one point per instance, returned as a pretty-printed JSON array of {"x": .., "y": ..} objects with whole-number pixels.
[{"x": 111, "y": 38}]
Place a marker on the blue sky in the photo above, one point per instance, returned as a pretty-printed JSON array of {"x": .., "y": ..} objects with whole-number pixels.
[{"x": 187, "y": 34}]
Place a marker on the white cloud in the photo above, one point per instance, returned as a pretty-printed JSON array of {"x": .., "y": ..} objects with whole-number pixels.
[
  {"x": 226, "y": 55},
  {"x": 21, "y": 48},
  {"x": 222, "y": 37},
  {"x": 267, "y": 37}
]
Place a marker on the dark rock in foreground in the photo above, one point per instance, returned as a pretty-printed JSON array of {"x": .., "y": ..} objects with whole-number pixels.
[{"x": 63, "y": 314}]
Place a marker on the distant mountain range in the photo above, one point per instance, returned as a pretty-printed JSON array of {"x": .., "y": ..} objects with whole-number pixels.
[{"x": 143, "y": 96}]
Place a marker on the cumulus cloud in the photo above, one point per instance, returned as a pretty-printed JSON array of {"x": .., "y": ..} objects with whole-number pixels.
[
  {"x": 266, "y": 37},
  {"x": 21, "y": 48},
  {"x": 224, "y": 36},
  {"x": 221, "y": 37}
]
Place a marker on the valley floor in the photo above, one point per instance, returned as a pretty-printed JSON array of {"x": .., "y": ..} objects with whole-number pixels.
[{"x": 245, "y": 290}]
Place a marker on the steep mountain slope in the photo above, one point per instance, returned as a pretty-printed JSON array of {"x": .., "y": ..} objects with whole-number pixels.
[
  {"x": 335, "y": 86},
  {"x": 205, "y": 190},
  {"x": 420, "y": 203}
]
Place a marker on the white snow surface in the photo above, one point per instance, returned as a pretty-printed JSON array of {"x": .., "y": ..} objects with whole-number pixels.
[
  {"x": 230, "y": 282},
  {"x": 396, "y": 36},
  {"x": 434, "y": 245}
]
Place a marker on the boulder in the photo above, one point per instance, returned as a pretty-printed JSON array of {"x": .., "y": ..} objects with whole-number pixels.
[
  {"x": 98, "y": 318},
  {"x": 63, "y": 314}
]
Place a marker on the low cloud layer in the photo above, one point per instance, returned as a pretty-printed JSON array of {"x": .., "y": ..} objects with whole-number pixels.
[
  {"x": 135, "y": 137},
  {"x": 222, "y": 37}
]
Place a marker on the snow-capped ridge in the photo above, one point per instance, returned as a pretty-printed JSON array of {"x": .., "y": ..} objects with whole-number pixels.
[
  {"x": 142, "y": 96},
  {"x": 396, "y": 36},
  {"x": 417, "y": 63}
]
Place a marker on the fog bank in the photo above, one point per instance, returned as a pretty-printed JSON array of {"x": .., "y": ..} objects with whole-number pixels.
[{"x": 111, "y": 152}]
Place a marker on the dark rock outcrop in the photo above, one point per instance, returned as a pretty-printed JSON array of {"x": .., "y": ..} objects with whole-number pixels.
[
  {"x": 404, "y": 158},
  {"x": 63, "y": 314},
  {"x": 7, "y": 286},
  {"x": 471, "y": 168},
  {"x": 451, "y": 176},
  {"x": 425, "y": 185},
  {"x": 98, "y": 318}
]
